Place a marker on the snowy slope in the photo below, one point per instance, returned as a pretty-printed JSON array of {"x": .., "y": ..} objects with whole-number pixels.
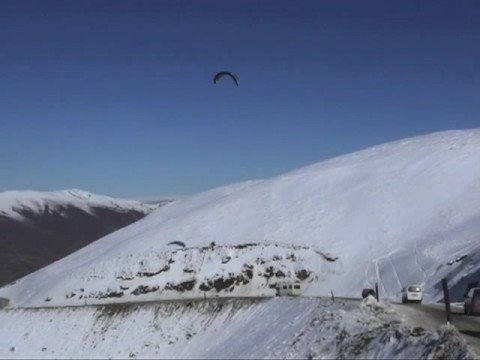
[
  {"x": 227, "y": 329},
  {"x": 398, "y": 213}
]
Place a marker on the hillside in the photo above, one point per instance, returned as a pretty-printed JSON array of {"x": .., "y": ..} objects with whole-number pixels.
[
  {"x": 399, "y": 213},
  {"x": 38, "y": 228},
  {"x": 278, "y": 328}
]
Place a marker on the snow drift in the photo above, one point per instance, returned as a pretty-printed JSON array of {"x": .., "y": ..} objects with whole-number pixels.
[
  {"x": 227, "y": 329},
  {"x": 402, "y": 213}
]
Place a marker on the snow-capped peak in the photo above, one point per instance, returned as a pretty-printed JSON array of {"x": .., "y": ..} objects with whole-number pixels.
[{"x": 12, "y": 203}]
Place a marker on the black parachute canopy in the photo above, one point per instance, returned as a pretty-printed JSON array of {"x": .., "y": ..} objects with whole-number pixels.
[
  {"x": 221, "y": 74},
  {"x": 179, "y": 243}
]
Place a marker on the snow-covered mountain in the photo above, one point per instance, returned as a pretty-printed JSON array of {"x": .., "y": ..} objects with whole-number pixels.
[
  {"x": 399, "y": 213},
  {"x": 37, "y": 228}
]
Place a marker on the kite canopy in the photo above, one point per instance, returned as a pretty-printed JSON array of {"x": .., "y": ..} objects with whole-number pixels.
[
  {"x": 221, "y": 74},
  {"x": 179, "y": 243}
]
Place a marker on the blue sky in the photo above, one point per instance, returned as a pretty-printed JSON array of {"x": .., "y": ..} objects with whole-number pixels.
[{"x": 116, "y": 97}]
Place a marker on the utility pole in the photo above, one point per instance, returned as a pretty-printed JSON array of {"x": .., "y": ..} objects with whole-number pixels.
[
  {"x": 446, "y": 297},
  {"x": 376, "y": 291}
]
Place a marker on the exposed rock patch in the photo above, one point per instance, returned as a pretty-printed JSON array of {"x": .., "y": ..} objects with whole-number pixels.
[
  {"x": 150, "y": 274},
  {"x": 184, "y": 286},
  {"x": 142, "y": 289},
  {"x": 302, "y": 274}
]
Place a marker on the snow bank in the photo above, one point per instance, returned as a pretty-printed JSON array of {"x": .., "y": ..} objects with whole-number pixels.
[
  {"x": 247, "y": 329},
  {"x": 372, "y": 331}
]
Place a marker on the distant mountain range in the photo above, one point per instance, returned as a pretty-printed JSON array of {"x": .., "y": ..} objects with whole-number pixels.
[{"x": 38, "y": 228}]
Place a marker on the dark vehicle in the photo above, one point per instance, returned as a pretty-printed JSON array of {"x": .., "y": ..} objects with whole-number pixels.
[
  {"x": 366, "y": 292},
  {"x": 470, "y": 285},
  {"x": 471, "y": 306}
]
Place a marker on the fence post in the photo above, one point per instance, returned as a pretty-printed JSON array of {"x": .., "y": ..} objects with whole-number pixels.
[
  {"x": 446, "y": 297},
  {"x": 376, "y": 290}
]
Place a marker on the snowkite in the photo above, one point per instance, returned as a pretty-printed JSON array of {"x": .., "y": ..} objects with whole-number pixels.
[
  {"x": 179, "y": 243},
  {"x": 221, "y": 74}
]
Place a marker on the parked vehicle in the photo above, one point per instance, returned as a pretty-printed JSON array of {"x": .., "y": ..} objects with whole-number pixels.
[
  {"x": 470, "y": 285},
  {"x": 289, "y": 289},
  {"x": 471, "y": 304},
  {"x": 366, "y": 292},
  {"x": 412, "y": 293}
]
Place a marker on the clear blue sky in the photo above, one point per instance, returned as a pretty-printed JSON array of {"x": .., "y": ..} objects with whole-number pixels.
[{"x": 116, "y": 97}]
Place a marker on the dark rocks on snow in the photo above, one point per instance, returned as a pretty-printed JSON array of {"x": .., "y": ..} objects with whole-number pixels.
[
  {"x": 248, "y": 271},
  {"x": 150, "y": 274},
  {"x": 291, "y": 257},
  {"x": 109, "y": 294},
  {"x": 243, "y": 246},
  {"x": 184, "y": 286},
  {"x": 227, "y": 283},
  {"x": 269, "y": 272},
  {"x": 302, "y": 274},
  {"x": 125, "y": 277},
  {"x": 223, "y": 283},
  {"x": 205, "y": 287},
  {"x": 143, "y": 289}
]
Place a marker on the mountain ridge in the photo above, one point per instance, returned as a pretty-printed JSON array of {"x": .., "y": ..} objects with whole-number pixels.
[{"x": 37, "y": 228}]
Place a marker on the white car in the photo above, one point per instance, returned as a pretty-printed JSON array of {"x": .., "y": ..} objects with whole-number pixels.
[
  {"x": 289, "y": 289},
  {"x": 412, "y": 293}
]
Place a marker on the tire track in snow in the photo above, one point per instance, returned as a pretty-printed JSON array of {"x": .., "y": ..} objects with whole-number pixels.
[
  {"x": 395, "y": 271},
  {"x": 418, "y": 264}
]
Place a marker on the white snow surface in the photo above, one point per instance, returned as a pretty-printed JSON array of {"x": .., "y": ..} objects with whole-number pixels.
[
  {"x": 397, "y": 213},
  {"x": 228, "y": 329},
  {"x": 38, "y": 202}
]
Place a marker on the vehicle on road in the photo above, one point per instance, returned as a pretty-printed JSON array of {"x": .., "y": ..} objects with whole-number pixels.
[
  {"x": 471, "y": 304},
  {"x": 289, "y": 289},
  {"x": 412, "y": 293}
]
